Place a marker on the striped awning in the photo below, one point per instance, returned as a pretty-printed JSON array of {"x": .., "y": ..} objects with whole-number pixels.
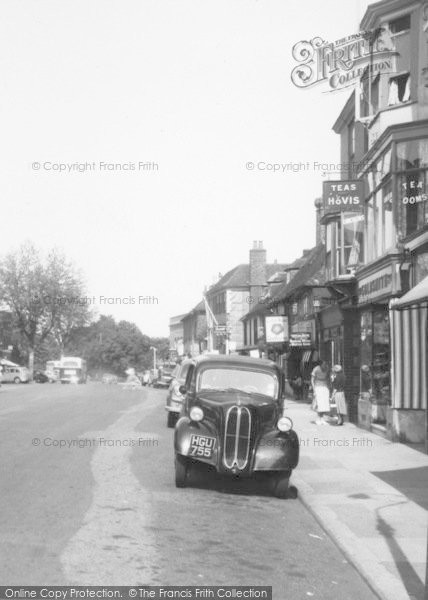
[
  {"x": 416, "y": 296},
  {"x": 409, "y": 373},
  {"x": 306, "y": 357}
]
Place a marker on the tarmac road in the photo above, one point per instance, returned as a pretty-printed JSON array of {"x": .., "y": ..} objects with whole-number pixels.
[{"x": 88, "y": 498}]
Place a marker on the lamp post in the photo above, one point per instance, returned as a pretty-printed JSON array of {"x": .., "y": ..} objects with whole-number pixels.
[{"x": 154, "y": 356}]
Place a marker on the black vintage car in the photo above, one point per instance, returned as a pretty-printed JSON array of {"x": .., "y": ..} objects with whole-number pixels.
[{"x": 232, "y": 419}]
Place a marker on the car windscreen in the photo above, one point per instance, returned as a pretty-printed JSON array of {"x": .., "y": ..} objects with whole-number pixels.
[{"x": 235, "y": 379}]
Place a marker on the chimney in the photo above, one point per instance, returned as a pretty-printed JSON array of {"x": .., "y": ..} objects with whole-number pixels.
[
  {"x": 320, "y": 229},
  {"x": 257, "y": 270}
]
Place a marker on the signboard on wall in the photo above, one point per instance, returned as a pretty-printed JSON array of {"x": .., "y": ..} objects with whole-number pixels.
[
  {"x": 302, "y": 340},
  {"x": 343, "y": 195},
  {"x": 375, "y": 285},
  {"x": 276, "y": 329}
]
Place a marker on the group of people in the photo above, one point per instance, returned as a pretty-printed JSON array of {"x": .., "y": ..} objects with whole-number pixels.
[{"x": 328, "y": 388}]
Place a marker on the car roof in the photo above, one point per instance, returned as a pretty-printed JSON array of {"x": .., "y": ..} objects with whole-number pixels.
[{"x": 234, "y": 360}]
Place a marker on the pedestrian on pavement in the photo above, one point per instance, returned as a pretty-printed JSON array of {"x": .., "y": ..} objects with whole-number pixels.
[
  {"x": 321, "y": 390},
  {"x": 338, "y": 395}
]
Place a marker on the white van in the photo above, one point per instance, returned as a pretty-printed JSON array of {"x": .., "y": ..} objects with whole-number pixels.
[{"x": 14, "y": 374}]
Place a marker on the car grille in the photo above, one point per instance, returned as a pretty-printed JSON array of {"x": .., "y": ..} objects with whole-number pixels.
[{"x": 237, "y": 437}]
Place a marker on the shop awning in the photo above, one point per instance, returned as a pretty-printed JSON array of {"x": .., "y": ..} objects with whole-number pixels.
[
  {"x": 306, "y": 356},
  {"x": 409, "y": 373},
  {"x": 417, "y": 295}
]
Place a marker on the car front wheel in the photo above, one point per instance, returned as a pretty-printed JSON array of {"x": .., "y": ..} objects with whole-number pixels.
[
  {"x": 181, "y": 471},
  {"x": 281, "y": 485},
  {"x": 171, "y": 420},
  {"x": 16, "y": 380}
]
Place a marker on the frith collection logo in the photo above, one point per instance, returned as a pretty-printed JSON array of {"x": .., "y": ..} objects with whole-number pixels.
[{"x": 343, "y": 62}]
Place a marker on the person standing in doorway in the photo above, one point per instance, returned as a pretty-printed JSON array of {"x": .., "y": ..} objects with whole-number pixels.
[
  {"x": 338, "y": 395},
  {"x": 320, "y": 387}
]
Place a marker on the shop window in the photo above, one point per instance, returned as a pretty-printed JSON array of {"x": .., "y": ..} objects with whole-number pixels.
[
  {"x": 344, "y": 245},
  {"x": 413, "y": 197},
  {"x": 381, "y": 231},
  {"x": 412, "y": 154},
  {"x": 375, "y": 355},
  {"x": 412, "y": 185},
  {"x": 399, "y": 89}
]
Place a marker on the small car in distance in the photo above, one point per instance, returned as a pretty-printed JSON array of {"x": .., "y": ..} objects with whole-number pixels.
[
  {"x": 40, "y": 377},
  {"x": 15, "y": 374},
  {"x": 232, "y": 420},
  {"x": 164, "y": 376},
  {"x": 174, "y": 398}
]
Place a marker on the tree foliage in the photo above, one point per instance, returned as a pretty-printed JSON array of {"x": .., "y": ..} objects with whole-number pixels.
[
  {"x": 45, "y": 295},
  {"x": 113, "y": 347}
]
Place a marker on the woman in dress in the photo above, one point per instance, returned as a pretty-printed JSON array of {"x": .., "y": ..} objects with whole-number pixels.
[
  {"x": 320, "y": 386},
  {"x": 338, "y": 384}
]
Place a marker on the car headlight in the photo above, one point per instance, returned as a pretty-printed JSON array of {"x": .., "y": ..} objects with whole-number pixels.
[
  {"x": 196, "y": 413},
  {"x": 284, "y": 424}
]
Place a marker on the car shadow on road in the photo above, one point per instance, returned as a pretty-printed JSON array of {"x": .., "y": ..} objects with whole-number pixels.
[{"x": 206, "y": 478}]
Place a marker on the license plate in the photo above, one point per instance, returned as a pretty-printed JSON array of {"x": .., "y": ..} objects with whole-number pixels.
[{"x": 202, "y": 446}]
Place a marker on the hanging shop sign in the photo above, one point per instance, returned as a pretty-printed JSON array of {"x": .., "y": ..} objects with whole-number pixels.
[
  {"x": 302, "y": 340},
  {"x": 341, "y": 63},
  {"x": 276, "y": 329},
  {"x": 345, "y": 195},
  {"x": 376, "y": 285}
]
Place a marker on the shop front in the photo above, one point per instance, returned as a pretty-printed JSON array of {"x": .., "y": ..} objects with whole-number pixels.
[
  {"x": 303, "y": 354},
  {"x": 374, "y": 291}
]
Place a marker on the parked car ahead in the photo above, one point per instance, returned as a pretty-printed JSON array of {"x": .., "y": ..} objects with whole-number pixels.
[
  {"x": 174, "y": 398},
  {"x": 232, "y": 420},
  {"x": 15, "y": 374},
  {"x": 40, "y": 377},
  {"x": 164, "y": 377}
]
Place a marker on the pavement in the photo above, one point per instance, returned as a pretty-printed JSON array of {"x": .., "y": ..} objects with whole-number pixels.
[{"x": 370, "y": 496}]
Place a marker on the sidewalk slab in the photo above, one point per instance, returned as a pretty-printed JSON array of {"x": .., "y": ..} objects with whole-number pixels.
[{"x": 371, "y": 496}]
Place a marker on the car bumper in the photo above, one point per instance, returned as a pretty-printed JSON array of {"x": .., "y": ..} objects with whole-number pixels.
[{"x": 274, "y": 451}]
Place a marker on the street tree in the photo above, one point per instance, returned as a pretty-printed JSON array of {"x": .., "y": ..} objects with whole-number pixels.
[{"x": 45, "y": 295}]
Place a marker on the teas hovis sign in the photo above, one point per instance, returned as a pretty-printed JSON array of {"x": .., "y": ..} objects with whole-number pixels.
[
  {"x": 343, "y": 62},
  {"x": 343, "y": 195}
]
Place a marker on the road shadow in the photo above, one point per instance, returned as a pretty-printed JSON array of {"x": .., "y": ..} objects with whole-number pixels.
[{"x": 205, "y": 477}]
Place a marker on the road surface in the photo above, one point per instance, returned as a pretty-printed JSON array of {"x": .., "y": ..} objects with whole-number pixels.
[{"x": 88, "y": 498}]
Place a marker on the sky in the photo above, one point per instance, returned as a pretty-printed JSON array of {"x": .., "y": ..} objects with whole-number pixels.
[{"x": 182, "y": 95}]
